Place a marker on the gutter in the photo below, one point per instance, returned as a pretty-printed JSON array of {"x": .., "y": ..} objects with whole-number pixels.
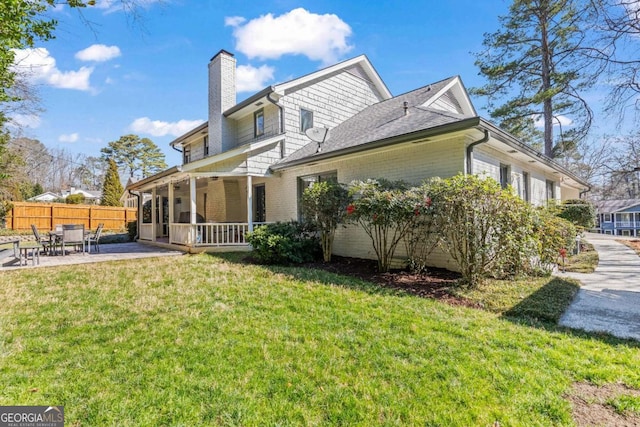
[
  {"x": 470, "y": 147},
  {"x": 509, "y": 139},
  {"x": 407, "y": 137},
  {"x": 147, "y": 180}
]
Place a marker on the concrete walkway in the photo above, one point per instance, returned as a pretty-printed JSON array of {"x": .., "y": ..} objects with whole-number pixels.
[
  {"x": 109, "y": 252},
  {"x": 609, "y": 299}
]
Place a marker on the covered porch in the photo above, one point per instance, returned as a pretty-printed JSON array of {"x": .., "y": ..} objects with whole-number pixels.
[{"x": 198, "y": 211}]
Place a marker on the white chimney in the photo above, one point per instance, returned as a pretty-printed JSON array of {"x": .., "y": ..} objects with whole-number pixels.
[{"x": 222, "y": 96}]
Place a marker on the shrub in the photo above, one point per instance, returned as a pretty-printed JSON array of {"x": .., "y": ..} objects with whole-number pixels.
[
  {"x": 580, "y": 213},
  {"x": 324, "y": 204},
  {"x": 5, "y": 207},
  {"x": 486, "y": 230},
  {"x": 74, "y": 199},
  {"x": 284, "y": 243},
  {"x": 553, "y": 234},
  {"x": 422, "y": 237},
  {"x": 132, "y": 230},
  {"x": 385, "y": 212}
]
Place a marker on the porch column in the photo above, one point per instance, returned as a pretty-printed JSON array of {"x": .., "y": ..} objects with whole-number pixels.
[
  {"x": 171, "y": 207},
  {"x": 139, "y": 220},
  {"x": 153, "y": 214},
  {"x": 161, "y": 216},
  {"x": 250, "y": 202},
  {"x": 192, "y": 197}
]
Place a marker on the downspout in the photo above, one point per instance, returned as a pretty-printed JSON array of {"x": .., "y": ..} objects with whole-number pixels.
[
  {"x": 281, "y": 120},
  {"x": 281, "y": 111},
  {"x": 470, "y": 147},
  {"x": 583, "y": 192}
]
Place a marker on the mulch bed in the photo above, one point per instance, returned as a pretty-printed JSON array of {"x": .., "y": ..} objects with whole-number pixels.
[{"x": 437, "y": 283}]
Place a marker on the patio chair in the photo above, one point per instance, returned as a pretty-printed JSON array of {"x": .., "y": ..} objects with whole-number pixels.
[
  {"x": 94, "y": 238},
  {"x": 73, "y": 235},
  {"x": 45, "y": 242}
]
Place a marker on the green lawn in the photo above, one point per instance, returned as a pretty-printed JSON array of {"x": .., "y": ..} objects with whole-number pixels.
[{"x": 203, "y": 340}]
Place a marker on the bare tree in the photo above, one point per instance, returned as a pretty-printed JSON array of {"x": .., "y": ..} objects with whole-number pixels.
[{"x": 618, "y": 47}]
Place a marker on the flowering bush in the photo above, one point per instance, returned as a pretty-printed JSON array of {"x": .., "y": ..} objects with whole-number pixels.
[
  {"x": 553, "y": 234},
  {"x": 486, "y": 230},
  {"x": 326, "y": 204},
  {"x": 386, "y": 212},
  {"x": 421, "y": 238}
]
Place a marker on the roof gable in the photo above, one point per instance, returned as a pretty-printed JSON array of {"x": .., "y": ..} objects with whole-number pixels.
[
  {"x": 359, "y": 66},
  {"x": 452, "y": 97}
]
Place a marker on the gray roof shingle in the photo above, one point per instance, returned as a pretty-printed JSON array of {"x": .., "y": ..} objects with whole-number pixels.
[
  {"x": 609, "y": 206},
  {"x": 383, "y": 120}
]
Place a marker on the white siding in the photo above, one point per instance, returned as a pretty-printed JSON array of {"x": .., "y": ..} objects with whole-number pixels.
[
  {"x": 332, "y": 100},
  {"x": 412, "y": 163},
  {"x": 486, "y": 161}
]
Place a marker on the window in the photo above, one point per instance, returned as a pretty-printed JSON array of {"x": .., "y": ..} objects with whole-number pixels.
[
  {"x": 607, "y": 217},
  {"x": 551, "y": 190},
  {"x": 505, "y": 178},
  {"x": 206, "y": 146},
  {"x": 526, "y": 185},
  {"x": 186, "y": 154},
  {"x": 258, "y": 120},
  {"x": 306, "y": 119},
  {"x": 259, "y": 203},
  {"x": 305, "y": 182}
]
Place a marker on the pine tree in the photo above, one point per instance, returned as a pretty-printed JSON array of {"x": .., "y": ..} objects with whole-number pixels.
[
  {"x": 112, "y": 189},
  {"x": 538, "y": 64}
]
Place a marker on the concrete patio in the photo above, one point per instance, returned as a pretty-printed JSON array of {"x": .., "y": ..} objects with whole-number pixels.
[{"x": 108, "y": 252}]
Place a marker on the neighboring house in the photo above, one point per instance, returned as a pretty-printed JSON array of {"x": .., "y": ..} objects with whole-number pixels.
[
  {"x": 618, "y": 217},
  {"x": 90, "y": 197},
  {"x": 47, "y": 197},
  {"x": 251, "y": 161}
]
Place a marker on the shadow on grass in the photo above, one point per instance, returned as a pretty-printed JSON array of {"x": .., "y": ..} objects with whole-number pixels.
[
  {"x": 309, "y": 274},
  {"x": 541, "y": 309},
  {"x": 547, "y": 303}
]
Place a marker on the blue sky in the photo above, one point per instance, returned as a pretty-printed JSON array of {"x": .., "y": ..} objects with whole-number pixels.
[{"x": 150, "y": 77}]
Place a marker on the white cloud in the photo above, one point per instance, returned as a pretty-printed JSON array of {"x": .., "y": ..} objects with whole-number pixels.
[
  {"x": 233, "y": 21},
  {"x": 160, "y": 128},
  {"x": 24, "y": 121},
  {"x": 298, "y": 32},
  {"x": 72, "y": 137},
  {"x": 98, "y": 53},
  {"x": 558, "y": 120},
  {"x": 249, "y": 78},
  {"x": 39, "y": 66}
]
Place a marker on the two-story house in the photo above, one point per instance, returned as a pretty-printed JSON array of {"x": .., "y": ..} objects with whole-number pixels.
[
  {"x": 618, "y": 217},
  {"x": 251, "y": 161}
]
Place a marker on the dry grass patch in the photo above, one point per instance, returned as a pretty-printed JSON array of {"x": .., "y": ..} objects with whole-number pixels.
[
  {"x": 633, "y": 244},
  {"x": 607, "y": 405}
]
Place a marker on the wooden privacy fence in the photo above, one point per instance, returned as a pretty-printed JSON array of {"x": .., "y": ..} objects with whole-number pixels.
[{"x": 47, "y": 215}]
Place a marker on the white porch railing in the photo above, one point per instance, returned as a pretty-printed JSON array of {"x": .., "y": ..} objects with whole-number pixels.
[
  {"x": 181, "y": 234},
  {"x": 627, "y": 224},
  {"x": 211, "y": 234},
  {"x": 146, "y": 232}
]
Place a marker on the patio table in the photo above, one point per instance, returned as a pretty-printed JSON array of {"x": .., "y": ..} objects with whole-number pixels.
[{"x": 29, "y": 251}]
